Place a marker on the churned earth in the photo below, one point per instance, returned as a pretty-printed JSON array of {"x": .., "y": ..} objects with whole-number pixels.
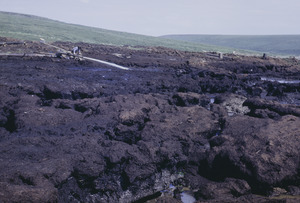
[{"x": 176, "y": 126}]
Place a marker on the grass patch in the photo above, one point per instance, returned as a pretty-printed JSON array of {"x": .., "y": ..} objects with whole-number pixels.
[
  {"x": 285, "y": 45},
  {"x": 28, "y": 27}
]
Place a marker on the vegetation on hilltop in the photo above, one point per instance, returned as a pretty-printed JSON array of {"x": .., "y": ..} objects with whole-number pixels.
[{"x": 28, "y": 27}]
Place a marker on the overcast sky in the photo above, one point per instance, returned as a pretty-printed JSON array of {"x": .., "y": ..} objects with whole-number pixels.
[{"x": 162, "y": 17}]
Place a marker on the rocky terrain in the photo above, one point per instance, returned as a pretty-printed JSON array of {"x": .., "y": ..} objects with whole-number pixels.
[{"x": 176, "y": 125}]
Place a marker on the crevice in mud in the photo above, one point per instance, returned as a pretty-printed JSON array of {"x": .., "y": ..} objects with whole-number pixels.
[
  {"x": 125, "y": 182},
  {"x": 185, "y": 146},
  {"x": 189, "y": 99},
  {"x": 215, "y": 136},
  {"x": 289, "y": 182},
  {"x": 128, "y": 136},
  {"x": 129, "y": 130},
  {"x": 264, "y": 108},
  {"x": 222, "y": 167},
  {"x": 10, "y": 124},
  {"x": 109, "y": 164},
  {"x": 47, "y": 96},
  {"x": 81, "y": 95},
  {"x": 75, "y": 195},
  {"x": 26, "y": 181},
  {"x": 80, "y": 108},
  {"x": 63, "y": 106},
  {"x": 60, "y": 184},
  {"x": 178, "y": 101},
  {"x": 85, "y": 181},
  {"x": 69, "y": 190},
  {"x": 164, "y": 164}
]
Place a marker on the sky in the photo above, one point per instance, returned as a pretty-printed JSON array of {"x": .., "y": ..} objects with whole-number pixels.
[{"x": 163, "y": 17}]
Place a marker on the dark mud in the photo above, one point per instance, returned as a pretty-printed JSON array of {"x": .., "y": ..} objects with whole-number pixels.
[{"x": 78, "y": 131}]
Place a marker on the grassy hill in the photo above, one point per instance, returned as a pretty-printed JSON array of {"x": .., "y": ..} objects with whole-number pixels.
[
  {"x": 274, "y": 44},
  {"x": 28, "y": 27}
]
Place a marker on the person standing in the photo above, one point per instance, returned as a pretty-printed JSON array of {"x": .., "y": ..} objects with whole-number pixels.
[{"x": 76, "y": 50}]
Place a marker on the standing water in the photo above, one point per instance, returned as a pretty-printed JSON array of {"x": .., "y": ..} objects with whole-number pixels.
[
  {"x": 280, "y": 80},
  {"x": 187, "y": 198}
]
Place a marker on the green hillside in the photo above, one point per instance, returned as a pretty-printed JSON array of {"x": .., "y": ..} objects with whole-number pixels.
[
  {"x": 274, "y": 44},
  {"x": 27, "y": 27}
]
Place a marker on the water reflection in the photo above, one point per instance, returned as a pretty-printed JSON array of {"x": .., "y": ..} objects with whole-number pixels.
[{"x": 280, "y": 80}]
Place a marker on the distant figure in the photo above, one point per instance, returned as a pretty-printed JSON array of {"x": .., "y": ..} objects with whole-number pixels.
[
  {"x": 221, "y": 55},
  {"x": 76, "y": 50},
  {"x": 265, "y": 56}
]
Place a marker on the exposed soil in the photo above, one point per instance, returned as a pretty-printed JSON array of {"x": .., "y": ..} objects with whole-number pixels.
[{"x": 226, "y": 130}]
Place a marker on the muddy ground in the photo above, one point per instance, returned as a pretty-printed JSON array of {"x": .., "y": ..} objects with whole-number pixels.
[{"x": 176, "y": 125}]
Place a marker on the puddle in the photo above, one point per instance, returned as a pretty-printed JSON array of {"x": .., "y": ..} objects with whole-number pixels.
[
  {"x": 186, "y": 194},
  {"x": 169, "y": 191},
  {"x": 187, "y": 198},
  {"x": 97, "y": 69},
  {"x": 89, "y": 69},
  {"x": 230, "y": 114},
  {"x": 106, "y": 63},
  {"x": 280, "y": 80},
  {"x": 117, "y": 55}
]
